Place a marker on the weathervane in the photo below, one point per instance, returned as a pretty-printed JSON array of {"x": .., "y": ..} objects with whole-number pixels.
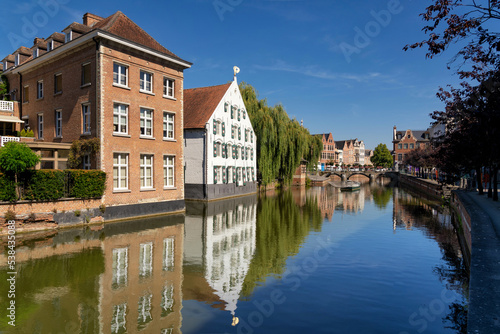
[{"x": 236, "y": 70}]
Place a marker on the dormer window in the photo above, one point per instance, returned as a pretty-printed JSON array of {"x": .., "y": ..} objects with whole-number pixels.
[
  {"x": 50, "y": 45},
  {"x": 69, "y": 35},
  {"x": 35, "y": 53},
  {"x": 16, "y": 60},
  {"x": 5, "y": 65}
]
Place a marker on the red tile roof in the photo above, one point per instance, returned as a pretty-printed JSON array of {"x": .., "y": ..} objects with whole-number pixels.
[
  {"x": 119, "y": 24},
  {"x": 200, "y": 104}
]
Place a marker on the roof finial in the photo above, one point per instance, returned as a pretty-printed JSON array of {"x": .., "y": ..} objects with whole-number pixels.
[{"x": 236, "y": 71}]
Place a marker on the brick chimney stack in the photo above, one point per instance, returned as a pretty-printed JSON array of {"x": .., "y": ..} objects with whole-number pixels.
[{"x": 91, "y": 19}]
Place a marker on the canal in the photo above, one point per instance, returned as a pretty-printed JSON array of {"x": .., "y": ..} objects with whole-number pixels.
[{"x": 378, "y": 260}]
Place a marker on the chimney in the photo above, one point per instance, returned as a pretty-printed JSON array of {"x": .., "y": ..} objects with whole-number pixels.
[
  {"x": 90, "y": 19},
  {"x": 394, "y": 133}
]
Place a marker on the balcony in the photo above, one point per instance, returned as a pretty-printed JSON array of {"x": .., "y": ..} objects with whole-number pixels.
[
  {"x": 7, "y": 106},
  {"x": 6, "y": 139}
]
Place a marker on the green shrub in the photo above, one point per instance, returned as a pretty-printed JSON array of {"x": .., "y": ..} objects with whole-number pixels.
[
  {"x": 7, "y": 189},
  {"x": 44, "y": 185},
  {"x": 10, "y": 215},
  {"x": 86, "y": 183}
]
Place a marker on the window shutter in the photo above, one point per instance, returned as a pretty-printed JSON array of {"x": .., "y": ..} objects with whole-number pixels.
[
  {"x": 251, "y": 154},
  {"x": 244, "y": 176},
  {"x": 244, "y": 116},
  {"x": 246, "y": 135},
  {"x": 215, "y": 149},
  {"x": 223, "y": 151},
  {"x": 232, "y": 112},
  {"x": 215, "y": 175},
  {"x": 234, "y": 151},
  {"x": 239, "y": 133},
  {"x": 223, "y": 129},
  {"x": 232, "y": 131},
  {"x": 239, "y": 111},
  {"x": 215, "y": 127},
  {"x": 226, "y": 105},
  {"x": 234, "y": 175},
  {"x": 251, "y": 137},
  {"x": 223, "y": 175}
]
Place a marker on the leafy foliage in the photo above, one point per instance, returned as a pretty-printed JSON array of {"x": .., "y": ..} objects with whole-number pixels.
[
  {"x": 281, "y": 142},
  {"x": 4, "y": 87},
  {"x": 7, "y": 189},
  {"x": 86, "y": 183},
  {"x": 17, "y": 157},
  {"x": 44, "y": 185},
  {"x": 81, "y": 147},
  {"x": 382, "y": 156}
]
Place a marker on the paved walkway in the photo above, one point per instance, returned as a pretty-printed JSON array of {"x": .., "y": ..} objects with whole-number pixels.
[{"x": 484, "y": 287}]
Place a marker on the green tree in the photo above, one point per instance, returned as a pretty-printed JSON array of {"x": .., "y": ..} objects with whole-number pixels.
[
  {"x": 382, "y": 156},
  {"x": 16, "y": 158},
  {"x": 4, "y": 87}
]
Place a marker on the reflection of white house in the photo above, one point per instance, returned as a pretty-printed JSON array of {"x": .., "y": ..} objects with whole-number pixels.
[
  {"x": 220, "y": 144},
  {"x": 226, "y": 232}
]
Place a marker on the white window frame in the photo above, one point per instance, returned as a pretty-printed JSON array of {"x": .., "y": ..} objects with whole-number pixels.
[
  {"x": 120, "y": 75},
  {"x": 86, "y": 118},
  {"x": 17, "y": 59},
  {"x": 168, "y": 88},
  {"x": 144, "y": 167},
  {"x": 39, "y": 89},
  {"x": 58, "y": 123},
  {"x": 168, "y": 254},
  {"x": 121, "y": 168},
  {"x": 39, "y": 119},
  {"x": 5, "y": 66},
  {"x": 168, "y": 165},
  {"x": 120, "y": 114},
  {"x": 35, "y": 53},
  {"x": 143, "y": 75},
  {"x": 50, "y": 45},
  {"x": 83, "y": 74},
  {"x": 146, "y": 122},
  {"x": 166, "y": 123},
  {"x": 57, "y": 75},
  {"x": 68, "y": 36},
  {"x": 120, "y": 266},
  {"x": 146, "y": 259}
]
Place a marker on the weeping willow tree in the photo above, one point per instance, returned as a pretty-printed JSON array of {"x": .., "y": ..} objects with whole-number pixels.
[{"x": 281, "y": 142}]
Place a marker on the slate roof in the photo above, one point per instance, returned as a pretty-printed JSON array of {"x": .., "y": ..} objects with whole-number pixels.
[
  {"x": 57, "y": 36},
  {"x": 78, "y": 27},
  {"x": 200, "y": 104},
  {"x": 418, "y": 134}
]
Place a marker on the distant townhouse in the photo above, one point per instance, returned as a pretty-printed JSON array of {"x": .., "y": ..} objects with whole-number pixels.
[
  {"x": 107, "y": 79},
  {"x": 220, "y": 144},
  {"x": 328, "y": 153},
  {"x": 353, "y": 151},
  {"x": 368, "y": 156},
  {"x": 406, "y": 141}
]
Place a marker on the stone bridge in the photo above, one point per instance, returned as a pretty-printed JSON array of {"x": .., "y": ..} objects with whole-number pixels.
[{"x": 371, "y": 175}]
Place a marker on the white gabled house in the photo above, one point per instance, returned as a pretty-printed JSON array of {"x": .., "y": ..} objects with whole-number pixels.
[{"x": 219, "y": 143}]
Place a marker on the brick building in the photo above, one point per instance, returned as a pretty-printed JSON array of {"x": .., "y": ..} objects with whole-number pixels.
[
  {"x": 107, "y": 79},
  {"x": 328, "y": 153},
  {"x": 407, "y": 141},
  {"x": 220, "y": 144}
]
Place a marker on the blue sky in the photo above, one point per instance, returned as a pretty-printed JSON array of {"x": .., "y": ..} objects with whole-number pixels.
[{"x": 337, "y": 65}]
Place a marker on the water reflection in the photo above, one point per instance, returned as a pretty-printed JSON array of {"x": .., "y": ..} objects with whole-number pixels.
[
  {"x": 117, "y": 278},
  {"x": 200, "y": 271}
]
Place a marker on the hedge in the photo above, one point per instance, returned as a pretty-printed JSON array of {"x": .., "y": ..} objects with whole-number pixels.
[
  {"x": 44, "y": 185},
  {"x": 86, "y": 183},
  {"x": 7, "y": 189}
]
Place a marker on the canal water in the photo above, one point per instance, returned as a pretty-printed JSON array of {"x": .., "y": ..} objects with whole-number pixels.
[{"x": 378, "y": 260}]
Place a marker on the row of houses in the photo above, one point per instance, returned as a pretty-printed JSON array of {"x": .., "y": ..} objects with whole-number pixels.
[
  {"x": 107, "y": 78},
  {"x": 343, "y": 153}
]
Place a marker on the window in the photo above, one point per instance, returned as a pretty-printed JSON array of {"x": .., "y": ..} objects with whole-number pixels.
[
  {"x": 26, "y": 93},
  {"x": 58, "y": 123},
  {"x": 412, "y": 146},
  {"x": 50, "y": 45},
  {"x": 400, "y": 146},
  {"x": 86, "y": 74},
  {"x": 5, "y": 65},
  {"x": 146, "y": 171},
  {"x": 86, "y": 118},
  {"x": 35, "y": 53},
  {"x": 168, "y": 125},
  {"x": 17, "y": 60},
  {"x": 168, "y": 87},
  {"x": 405, "y": 146},
  {"x": 86, "y": 161},
  {"x": 120, "y": 118},
  {"x": 57, "y": 83},
  {"x": 146, "y": 82},
  {"x": 146, "y": 122},
  {"x": 68, "y": 36},
  {"x": 119, "y": 319},
  {"x": 39, "y": 89},
  {"x": 40, "y": 125},
  {"x": 120, "y": 171},
  {"x": 120, "y": 75},
  {"x": 168, "y": 171}
]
